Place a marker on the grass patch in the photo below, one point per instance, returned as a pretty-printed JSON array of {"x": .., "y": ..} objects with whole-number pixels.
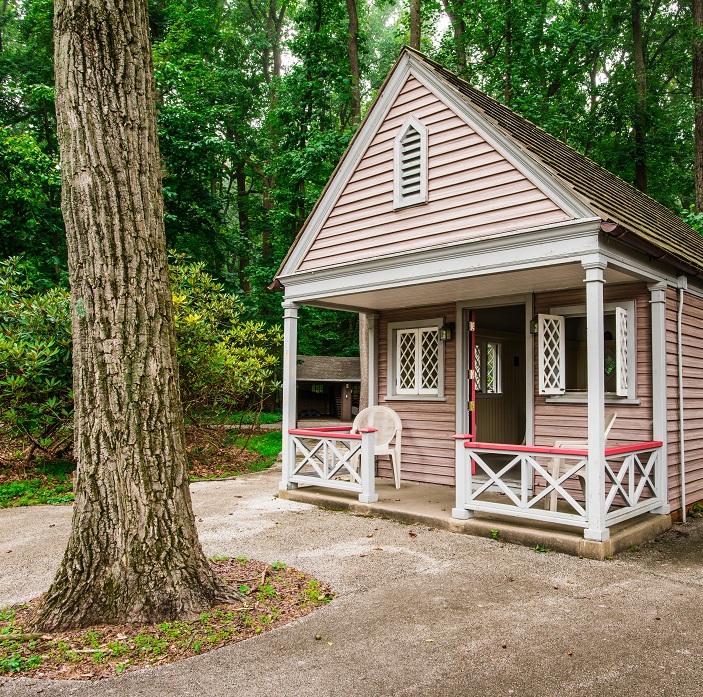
[
  {"x": 212, "y": 454},
  {"x": 275, "y": 595},
  {"x": 46, "y": 482},
  {"x": 267, "y": 445}
]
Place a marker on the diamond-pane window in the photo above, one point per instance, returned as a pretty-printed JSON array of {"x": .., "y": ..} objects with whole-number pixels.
[
  {"x": 487, "y": 367},
  {"x": 417, "y": 361},
  {"x": 477, "y": 368},
  {"x": 407, "y": 361},
  {"x": 429, "y": 360},
  {"x": 621, "y": 351},
  {"x": 552, "y": 378}
]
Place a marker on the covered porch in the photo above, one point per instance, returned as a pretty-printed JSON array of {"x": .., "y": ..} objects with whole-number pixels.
[{"x": 588, "y": 491}]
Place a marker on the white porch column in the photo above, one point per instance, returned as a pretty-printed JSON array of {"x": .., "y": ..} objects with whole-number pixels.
[
  {"x": 657, "y": 302},
  {"x": 372, "y": 322},
  {"x": 595, "y": 479},
  {"x": 290, "y": 401}
]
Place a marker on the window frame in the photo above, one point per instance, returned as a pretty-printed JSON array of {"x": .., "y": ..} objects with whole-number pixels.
[
  {"x": 609, "y": 308},
  {"x": 393, "y": 392},
  {"x": 400, "y": 201}
]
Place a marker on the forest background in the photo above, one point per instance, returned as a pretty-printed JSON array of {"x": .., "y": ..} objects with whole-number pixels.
[{"x": 258, "y": 99}]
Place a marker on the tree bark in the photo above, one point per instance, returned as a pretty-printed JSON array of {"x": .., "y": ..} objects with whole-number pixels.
[
  {"x": 353, "y": 50},
  {"x": 640, "y": 121},
  {"x": 133, "y": 554},
  {"x": 697, "y": 70},
  {"x": 415, "y": 24},
  {"x": 454, "y": 11}
]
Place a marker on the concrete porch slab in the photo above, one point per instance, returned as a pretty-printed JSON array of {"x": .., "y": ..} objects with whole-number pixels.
[{"x": 431, "y": 505}]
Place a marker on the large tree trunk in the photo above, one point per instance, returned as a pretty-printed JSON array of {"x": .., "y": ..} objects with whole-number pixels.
[
  {"x": 133, "y": 554},
  {"x": 415, "y": 24},
  {"x": 640, "y": 121},
  {"x": 698, "y": 101}
]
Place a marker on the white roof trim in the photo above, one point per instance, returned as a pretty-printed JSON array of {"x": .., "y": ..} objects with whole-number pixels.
[{"x": 407, "y": 66}]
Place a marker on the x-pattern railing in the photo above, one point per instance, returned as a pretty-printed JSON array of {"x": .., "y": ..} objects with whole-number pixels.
[
  {"x": 631, "y": 477},
  {"x": 522, "y": 499},
  {"x": 631, "y": 487},
  {"x": 332, "y": 457},
  {"x": 329, "y": 458}
]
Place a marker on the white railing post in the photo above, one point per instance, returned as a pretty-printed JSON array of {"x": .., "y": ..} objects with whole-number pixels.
[
  {"x": 462, "y": 469},
  {"x": 657, "y": 302},
  {"x": 368, "y": 467},
  {"x": 290, "y": 406},
  {"x": 595, "y": 467}
]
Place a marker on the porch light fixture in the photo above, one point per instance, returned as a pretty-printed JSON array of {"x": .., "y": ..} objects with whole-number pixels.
[
  {"x": 534, "y": 325},
  {"x": 446, "y": 331}
]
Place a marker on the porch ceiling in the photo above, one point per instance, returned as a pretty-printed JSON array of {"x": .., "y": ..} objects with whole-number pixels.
[{"x": 493, "y": 285}]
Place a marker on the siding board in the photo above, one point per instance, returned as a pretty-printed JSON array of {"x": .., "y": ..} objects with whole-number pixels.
[{"x": 692, "y": 349}]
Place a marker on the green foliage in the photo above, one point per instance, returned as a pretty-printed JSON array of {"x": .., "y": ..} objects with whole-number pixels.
[
  {"x": 267, "y": 444},
  {"x": 36, "y": 398},
  {"x": 225, "y": 364}
]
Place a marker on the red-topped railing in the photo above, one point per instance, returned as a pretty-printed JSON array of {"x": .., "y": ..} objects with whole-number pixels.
[
  {"x": 332, "y": 457},
  {"x": 549, "y": 483}
]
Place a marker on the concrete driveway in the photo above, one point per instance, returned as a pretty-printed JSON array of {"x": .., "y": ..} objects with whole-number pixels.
[{"x": 430, "y": 613}]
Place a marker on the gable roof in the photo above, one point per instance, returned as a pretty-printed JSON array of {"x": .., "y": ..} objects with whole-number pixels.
[{"x": 608, "y": 196}]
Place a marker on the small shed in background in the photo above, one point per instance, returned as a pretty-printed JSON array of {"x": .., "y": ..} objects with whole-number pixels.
[{"x": 328, "y": 386}]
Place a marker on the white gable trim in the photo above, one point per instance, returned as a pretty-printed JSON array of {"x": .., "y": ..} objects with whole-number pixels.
[{"x": 407, "y": 66}]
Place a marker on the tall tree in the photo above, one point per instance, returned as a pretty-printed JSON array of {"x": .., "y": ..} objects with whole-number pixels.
[
  {"x": 697, "y": 75},
  {"x": 133, "y": 554},
  {"x": 640, "y": 120},
  {"x": 415, "y": 24}
]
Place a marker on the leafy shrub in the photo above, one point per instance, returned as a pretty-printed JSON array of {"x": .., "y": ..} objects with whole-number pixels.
[
  {"x": 225, "y": 364},
  {"x": 36, "y": 397}
]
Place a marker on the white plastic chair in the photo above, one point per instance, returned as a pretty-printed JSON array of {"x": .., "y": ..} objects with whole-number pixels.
[
  {"x": 388, "y": 428},
  {"x": 560, "y": 467}
]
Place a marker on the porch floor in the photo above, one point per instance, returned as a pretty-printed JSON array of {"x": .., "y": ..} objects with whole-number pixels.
[{"x": 431, "y": 505}]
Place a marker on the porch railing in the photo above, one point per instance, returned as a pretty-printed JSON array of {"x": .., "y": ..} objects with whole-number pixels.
[
  {"x": 548, "y": 484},
  {"x": 334, "y": 458}
]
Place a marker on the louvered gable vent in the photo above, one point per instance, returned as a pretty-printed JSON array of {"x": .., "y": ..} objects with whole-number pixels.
[{"x": 410, "y": 164}]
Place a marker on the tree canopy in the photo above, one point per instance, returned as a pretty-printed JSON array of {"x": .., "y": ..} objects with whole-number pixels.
[{"x": 256, "y": 106}]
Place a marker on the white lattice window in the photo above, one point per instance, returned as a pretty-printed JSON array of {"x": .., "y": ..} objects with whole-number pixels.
[
  {"x": 416, "y": 360},
  {"x": 551, "y": 354},
  {"x": 410, "y": 164},
  {"x": 487, "y": 367},
  {"x": 563, "y": 356}
]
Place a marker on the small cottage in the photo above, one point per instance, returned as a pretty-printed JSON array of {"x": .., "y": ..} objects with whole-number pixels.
[
  {"x": 328, "y": 386},
  {"x": 533, "y": 319}
]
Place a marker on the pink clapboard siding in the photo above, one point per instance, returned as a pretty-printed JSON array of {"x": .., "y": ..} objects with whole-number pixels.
[
  {"x": 427, "y": 453},
  {"x": 473, "y": 191},
  {"x": 692, "y": 341}
]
